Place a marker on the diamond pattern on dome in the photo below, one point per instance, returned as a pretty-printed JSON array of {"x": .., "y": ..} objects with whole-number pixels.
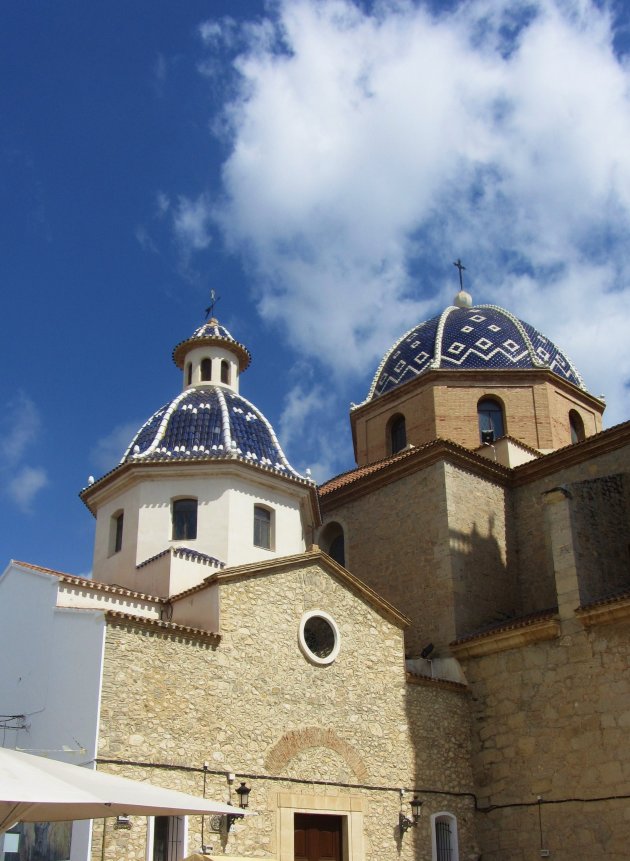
[
  {"x": 555, "y": 359},
  {"x": 483, "y": 337},
  {"x": 406, "y": 357},
  {"x": 209, "y": 422}
]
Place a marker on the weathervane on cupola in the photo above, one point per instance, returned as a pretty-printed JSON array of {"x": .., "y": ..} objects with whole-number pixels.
[
  {"x": 462, "y": 299},
  {"x": 213, "y": 301}
]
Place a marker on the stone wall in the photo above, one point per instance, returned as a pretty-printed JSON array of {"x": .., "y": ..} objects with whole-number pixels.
[
  {"x": 336, "y": 737},
  {"x": 601, "y": 517},
  {"x": 536, "y": 574},
  {"x": 483, "y": 564},
  {"x": 397, "y": 541},
  {"x": 552, "y": 719}
]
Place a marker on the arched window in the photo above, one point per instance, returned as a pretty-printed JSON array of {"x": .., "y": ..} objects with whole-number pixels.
[
  {"x": 491, "y": 426},
  {"x": 189, "y": 373},
  {"x": 332, "y": 541},
  {"x": 577, "y": 426},
  {"x": 444, "y": 837},
  {"x": 184, "y": 516},
  {"x": 206, "y": 369},
  {"x": 263, "y": 527},
  {"x": 397, "y": 434},
  {"x": 225, "y": 371}
]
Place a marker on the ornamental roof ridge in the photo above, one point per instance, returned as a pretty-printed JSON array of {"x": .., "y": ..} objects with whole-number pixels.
[{"x": 97, "y": 585}]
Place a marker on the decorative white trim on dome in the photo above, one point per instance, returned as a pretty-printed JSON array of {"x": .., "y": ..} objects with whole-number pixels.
[
  {"x": 284, "y": 463},
  {"x": 225, "y": 420},
  {"x": 162, "y": 428},
  {"x": 537, "y": 361},
  {"x": 381, "y": 366},
  {"x": 437, "y": 352}
]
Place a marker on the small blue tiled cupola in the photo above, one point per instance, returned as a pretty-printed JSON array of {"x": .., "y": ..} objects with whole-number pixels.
[
  {"x": 209, "y": 419},
  {"x": 211, "y": 356}
]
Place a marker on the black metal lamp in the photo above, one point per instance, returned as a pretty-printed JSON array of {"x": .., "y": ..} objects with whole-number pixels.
[
  {"x": 243, "y": 795},
  {"x": 404, "y": 822},
  {"x": 243, "y": 802}
]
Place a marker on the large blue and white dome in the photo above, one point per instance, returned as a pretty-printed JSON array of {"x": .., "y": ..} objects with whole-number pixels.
[
  {"x": 209, "y": 422},
  {"x": 465, "y": 338}
]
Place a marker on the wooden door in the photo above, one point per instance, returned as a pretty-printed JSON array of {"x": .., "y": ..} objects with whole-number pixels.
[{"x": 317, "y": 838}]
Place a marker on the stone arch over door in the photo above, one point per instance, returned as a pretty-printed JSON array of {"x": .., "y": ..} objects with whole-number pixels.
[{"x": 298, "y": 741}]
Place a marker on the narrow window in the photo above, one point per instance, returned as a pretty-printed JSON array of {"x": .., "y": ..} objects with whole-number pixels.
[
  {"x": 397, "y": 434},
  {"x": 332, "y": 541},
  {"x": 116, "y": 532},
  {"x": 189, "y": 373},
  {"x": 206, "y": 370},
  {"x": 263, "y": 527},
  {"x": 444, "y": 837},
  {"x": 490, "y": 414},
  {"x": 225, "y": 371},
  {"x": 184, "y": 519},
  {"x": 577, "y": 426},
  {"x": 169, "y": 837}
]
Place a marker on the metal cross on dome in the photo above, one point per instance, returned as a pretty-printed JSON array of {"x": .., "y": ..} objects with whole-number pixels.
[
  {"x": 213, "y": 301},
  {"x": 458, "y": 263}
]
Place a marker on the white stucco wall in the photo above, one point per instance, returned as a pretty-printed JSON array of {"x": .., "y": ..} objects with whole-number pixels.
[
  {"x": 226, "y": 495},
  {"x": 50, "y": 673}
]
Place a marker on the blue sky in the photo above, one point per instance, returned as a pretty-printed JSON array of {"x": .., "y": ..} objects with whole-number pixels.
[{"x": 320, "y": 165}]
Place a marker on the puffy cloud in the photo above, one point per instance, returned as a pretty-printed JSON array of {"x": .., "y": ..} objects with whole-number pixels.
[
  {"x": 306, "y": 426},
  {"x": 370, "y": 148},
  {"x": 191, "y": 222},
  {"x": 20, "y": 428},
  {"x": 20, "y": 425},
  {"x": 25, "y": 485},
  {"x": 109, "y": 449}
]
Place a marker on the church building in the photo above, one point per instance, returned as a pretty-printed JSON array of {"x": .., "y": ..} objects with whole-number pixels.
[{"x": 423, "y": 659}]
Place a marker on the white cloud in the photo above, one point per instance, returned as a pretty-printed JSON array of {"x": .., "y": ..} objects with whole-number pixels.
[
  {"x": 20, "y": 425},
  {"x": 109, "y": 449},
  {"x": 19, "y": 430},
  {"x": 191, "y": 222},
  {"x": 25, "y": 485},
  {"x": 370, "y": 149}
]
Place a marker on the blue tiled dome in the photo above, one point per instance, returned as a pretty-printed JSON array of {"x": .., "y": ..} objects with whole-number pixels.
[
  {"x": 209, "y": 422},
  {"x": 482, "y": 337}
]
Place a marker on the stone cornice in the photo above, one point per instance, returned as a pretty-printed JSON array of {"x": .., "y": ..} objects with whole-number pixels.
[
  {"x": 167, "y": 628},
  {"x": 515, "y": 635},
  {"x": 126, "y": 474},
  {"x": 429, "y": 681},
  {"x": 367, "y": 478},
  {"x": 311, "y": 557},
  {"x": 605, "y": 612},
  {"x": 593, "y": 446},
  {"x": 499, "y": 377}
]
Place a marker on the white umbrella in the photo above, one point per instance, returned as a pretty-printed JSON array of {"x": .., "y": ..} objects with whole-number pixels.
[{"x": 36, "y": 789}]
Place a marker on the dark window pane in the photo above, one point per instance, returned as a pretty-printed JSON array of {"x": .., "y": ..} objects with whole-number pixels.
[
  {"x": 206, "y": 369},
  {"x": 184, "y": 519},
  {"x": 398, "y": 434},
  {"x": 119, "y": 532},
  {"x": 490, "y": 419},
  {"x": 262, "y": 527}
]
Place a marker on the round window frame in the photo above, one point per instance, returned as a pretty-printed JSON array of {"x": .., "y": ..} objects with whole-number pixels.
[{"x": 310, "y": 656}]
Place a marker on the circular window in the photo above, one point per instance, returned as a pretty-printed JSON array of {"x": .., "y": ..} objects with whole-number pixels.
[{"x": 319, "y": 637}]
